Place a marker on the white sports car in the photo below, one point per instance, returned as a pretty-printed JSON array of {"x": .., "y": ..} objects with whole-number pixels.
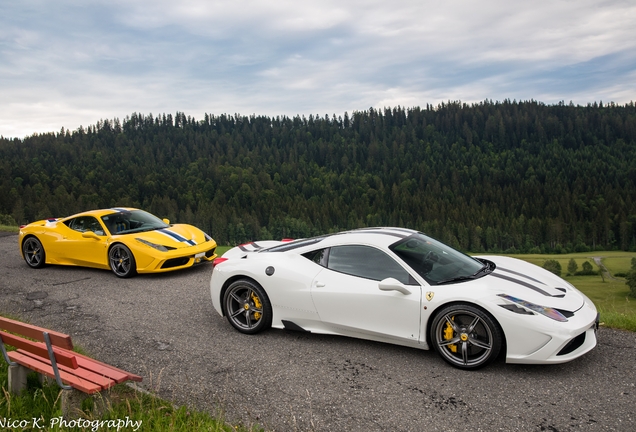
[{"x": 399, "y": 286}]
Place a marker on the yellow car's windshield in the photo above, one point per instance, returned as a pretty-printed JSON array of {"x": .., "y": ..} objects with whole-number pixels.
[{"x": 132, "y": 221}]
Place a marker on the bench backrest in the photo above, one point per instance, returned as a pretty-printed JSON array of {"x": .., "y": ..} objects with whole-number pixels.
[
  {"x": 57, "y": 339},
  {"x": 41, "y": 349}
]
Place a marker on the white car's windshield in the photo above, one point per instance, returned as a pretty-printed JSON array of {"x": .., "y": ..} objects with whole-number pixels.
[{"x": 436, "y": 262}]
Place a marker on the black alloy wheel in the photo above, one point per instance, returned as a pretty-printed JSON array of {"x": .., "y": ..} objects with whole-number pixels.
[
  {"x": 466, "y": 337},
  {"x": 33, "y": 251},
  {"x": 122, "y": 261},
  {"x": 247, "y": 307}
]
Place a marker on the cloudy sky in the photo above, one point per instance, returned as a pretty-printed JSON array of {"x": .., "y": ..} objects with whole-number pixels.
[{"x": 66, "y": 63}]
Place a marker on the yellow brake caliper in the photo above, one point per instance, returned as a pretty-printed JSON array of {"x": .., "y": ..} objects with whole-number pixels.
[
  {"x": 448, "y": 335},
  {"x": 258, "y": 305}
]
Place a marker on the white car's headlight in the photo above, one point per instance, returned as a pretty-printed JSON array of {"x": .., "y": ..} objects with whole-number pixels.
[{"x": 526, "y": 305}]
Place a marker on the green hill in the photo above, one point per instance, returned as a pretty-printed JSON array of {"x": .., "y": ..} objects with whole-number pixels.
[{"x": 505, "y": 176}]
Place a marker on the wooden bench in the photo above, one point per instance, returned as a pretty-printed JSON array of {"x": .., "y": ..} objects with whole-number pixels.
[{"x": 52, "y": 356}]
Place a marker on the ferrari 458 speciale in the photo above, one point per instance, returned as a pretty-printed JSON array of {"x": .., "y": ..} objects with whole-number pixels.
[
  {"x": 124, "y": 240},
  {"x": 400, "y": 286}
]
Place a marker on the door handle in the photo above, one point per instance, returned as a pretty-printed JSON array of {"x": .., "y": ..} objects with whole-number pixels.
[{"x": 320, "y": 284}]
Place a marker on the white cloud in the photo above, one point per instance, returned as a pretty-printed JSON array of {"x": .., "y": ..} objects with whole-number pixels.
[{"x": 71, "y": 63}]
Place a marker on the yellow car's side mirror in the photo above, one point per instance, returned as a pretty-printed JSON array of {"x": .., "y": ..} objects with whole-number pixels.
[{"x": 90, "y": 234}]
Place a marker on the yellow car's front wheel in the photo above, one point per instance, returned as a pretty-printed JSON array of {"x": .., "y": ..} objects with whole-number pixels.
[{"x": 122, "y": 261}]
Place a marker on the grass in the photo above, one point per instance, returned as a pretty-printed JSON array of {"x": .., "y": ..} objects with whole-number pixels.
[
  {"x": 9, "y": 228},
  {"x": 220, "y": 250},
  {"x": 42, "y": 401},
  {"x": 615, "y": 261}
]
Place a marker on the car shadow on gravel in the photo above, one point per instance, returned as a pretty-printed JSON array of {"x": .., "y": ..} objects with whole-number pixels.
[{"x": 90, "y": 271}]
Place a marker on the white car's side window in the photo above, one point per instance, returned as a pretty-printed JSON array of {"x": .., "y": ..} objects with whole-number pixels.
[{"x": 366, "y": 262}]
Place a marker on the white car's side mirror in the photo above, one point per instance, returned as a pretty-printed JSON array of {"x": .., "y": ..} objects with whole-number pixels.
[{"x": 391, "y": 284}]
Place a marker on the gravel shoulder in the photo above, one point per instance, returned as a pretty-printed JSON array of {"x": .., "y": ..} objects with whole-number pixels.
[{"x": 164, "y": 328}]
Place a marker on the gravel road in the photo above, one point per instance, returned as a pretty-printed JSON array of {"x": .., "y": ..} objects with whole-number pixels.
[{"x": 164, "y": 328}]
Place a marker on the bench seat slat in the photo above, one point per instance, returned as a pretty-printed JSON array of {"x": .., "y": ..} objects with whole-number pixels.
[
  {"x": 62, "y": 356},
  {"x": 105, "y": 369},
  {"x": 101, "y": 380},
  {"x": 34, "y": 332},
  {"x": 43, "y": 368}
]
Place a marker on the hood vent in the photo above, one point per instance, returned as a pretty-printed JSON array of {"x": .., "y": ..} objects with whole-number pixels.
[{"x": 566, "y": 313}]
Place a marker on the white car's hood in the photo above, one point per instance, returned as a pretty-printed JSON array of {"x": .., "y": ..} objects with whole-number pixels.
[
  {"x": 529, "y": 282},
  {"x": 250, "y": 248}
]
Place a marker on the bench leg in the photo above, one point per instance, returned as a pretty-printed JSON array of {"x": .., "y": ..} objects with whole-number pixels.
[
  {"x": 18, "y": 378},
  {"x": 75, "y": 403}
]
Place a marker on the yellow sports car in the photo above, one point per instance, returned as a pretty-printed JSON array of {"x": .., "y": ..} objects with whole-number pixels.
[{"x": 126, "y": 240}]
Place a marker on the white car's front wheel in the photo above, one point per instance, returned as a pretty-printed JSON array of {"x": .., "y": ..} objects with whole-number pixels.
[
  {"x": 247, "y": 307},
  {"x": 466, "y": 337}
]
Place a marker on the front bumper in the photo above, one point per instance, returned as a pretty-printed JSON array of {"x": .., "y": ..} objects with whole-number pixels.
[
  {"x": 178, "y": 259},
  {"x": 576, "y": 338}
]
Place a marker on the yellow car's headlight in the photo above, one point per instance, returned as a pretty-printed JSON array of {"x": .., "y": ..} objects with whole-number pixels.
[{"x": 162, "y": 248}]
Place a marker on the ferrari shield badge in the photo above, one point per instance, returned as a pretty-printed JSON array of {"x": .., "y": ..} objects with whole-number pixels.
[{"x": 429, "y": 295}]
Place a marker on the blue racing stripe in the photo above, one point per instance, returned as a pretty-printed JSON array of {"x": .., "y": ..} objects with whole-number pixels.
[{"x": 178, "y": 237}]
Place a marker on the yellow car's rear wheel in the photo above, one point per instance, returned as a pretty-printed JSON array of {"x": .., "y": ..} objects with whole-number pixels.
[
  {"x": 33, "y": 252},
  {"x": 247, "y": 307}
]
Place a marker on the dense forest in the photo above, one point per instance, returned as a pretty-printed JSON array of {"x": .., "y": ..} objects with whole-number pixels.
[{"x": 494, "y": 176}]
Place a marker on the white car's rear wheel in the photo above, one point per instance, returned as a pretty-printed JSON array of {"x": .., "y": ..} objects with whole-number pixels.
[
  {"x": 466, "y": 337},
  {"x": 247, "y": 307}
]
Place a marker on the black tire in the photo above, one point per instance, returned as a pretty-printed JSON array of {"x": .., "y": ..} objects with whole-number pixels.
[
  {"x": 122, "y": 261},
  {"x": 33, "y": 252},
  {"x": 466, "y": 337},
  {"x": 247, "y": 307}
]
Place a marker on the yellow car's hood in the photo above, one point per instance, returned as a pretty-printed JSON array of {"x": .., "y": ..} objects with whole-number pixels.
[{"x": 176, "y": 236}]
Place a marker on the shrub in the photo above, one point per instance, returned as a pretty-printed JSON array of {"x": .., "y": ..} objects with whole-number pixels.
[
  {"x": 7, "y": 220},
  {"x": 553, "y": 266},
  {"x": 588, "y": 270},
  {"x": 631, "y": 282},
  {"x": 572, "y": 266}
]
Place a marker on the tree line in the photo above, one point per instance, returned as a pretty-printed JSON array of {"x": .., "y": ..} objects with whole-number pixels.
[{"x": 493, "y": 176}]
